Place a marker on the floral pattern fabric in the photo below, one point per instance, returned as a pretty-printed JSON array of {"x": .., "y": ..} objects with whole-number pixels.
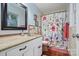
[{"x": 52, "y": 26}]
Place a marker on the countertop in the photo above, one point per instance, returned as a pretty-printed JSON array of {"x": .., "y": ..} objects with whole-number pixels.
[{"x": 10, "y": 41}]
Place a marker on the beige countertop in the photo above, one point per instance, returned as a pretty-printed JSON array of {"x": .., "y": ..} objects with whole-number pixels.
[{"x": 10, "y": 41}]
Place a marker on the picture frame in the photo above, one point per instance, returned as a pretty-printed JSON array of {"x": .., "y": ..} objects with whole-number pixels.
[{"x": 4, "y": 17}]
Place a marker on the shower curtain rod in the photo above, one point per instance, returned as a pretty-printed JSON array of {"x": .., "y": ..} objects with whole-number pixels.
[{"x": 56, "y": 12}]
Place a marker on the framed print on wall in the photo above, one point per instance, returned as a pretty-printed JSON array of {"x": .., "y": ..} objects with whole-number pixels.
[{"x": 36, "y": 21}]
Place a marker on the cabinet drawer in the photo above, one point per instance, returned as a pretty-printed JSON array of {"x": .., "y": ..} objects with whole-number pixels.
[{"x": 18, "y": 50}]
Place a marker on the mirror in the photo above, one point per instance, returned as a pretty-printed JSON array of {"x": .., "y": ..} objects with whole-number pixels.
[{"x": 14, "y": 16}]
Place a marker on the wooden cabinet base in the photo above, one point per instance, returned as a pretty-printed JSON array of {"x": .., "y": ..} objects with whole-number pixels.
[{"x": 56, "y": 52}]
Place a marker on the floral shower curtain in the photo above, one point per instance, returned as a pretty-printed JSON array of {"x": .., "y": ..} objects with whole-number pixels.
[{"x": 52, "y": 26}]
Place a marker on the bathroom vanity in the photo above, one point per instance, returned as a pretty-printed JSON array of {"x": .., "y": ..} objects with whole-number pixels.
[
  {"x": 14, "y": 17},
  {"x": 21, "y": 45}
]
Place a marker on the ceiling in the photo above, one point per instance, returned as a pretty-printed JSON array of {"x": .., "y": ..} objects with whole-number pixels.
[{"x": 48, "y": 8}]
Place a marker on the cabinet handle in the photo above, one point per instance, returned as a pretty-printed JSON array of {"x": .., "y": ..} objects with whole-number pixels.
[{"x": 23, "y": 48}]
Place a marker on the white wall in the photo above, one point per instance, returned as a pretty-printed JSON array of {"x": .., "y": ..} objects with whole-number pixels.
[{"x": 31, "y": 11}]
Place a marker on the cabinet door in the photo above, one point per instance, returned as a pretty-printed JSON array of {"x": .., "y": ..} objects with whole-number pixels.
[
  {"x": 38, "y": 47},
  {"x": 38, "y": 50},
  {"x": 77, "y": 28},
  {"x": 72, "y": 30}
]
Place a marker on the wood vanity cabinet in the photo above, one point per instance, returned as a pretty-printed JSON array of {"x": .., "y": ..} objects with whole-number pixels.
[
  {"x": 30, "y": 48},
  {"x": 58, "y": 52}
]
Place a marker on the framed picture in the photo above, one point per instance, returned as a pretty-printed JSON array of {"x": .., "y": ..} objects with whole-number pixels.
[
  {"x": 12, "y": 19},
  {"x": 36, "y": 21},
  {"x": 13, "y": 16}
]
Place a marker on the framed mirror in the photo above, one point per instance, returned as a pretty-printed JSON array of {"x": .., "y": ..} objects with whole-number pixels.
[{"x": 13, "y": 16}]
